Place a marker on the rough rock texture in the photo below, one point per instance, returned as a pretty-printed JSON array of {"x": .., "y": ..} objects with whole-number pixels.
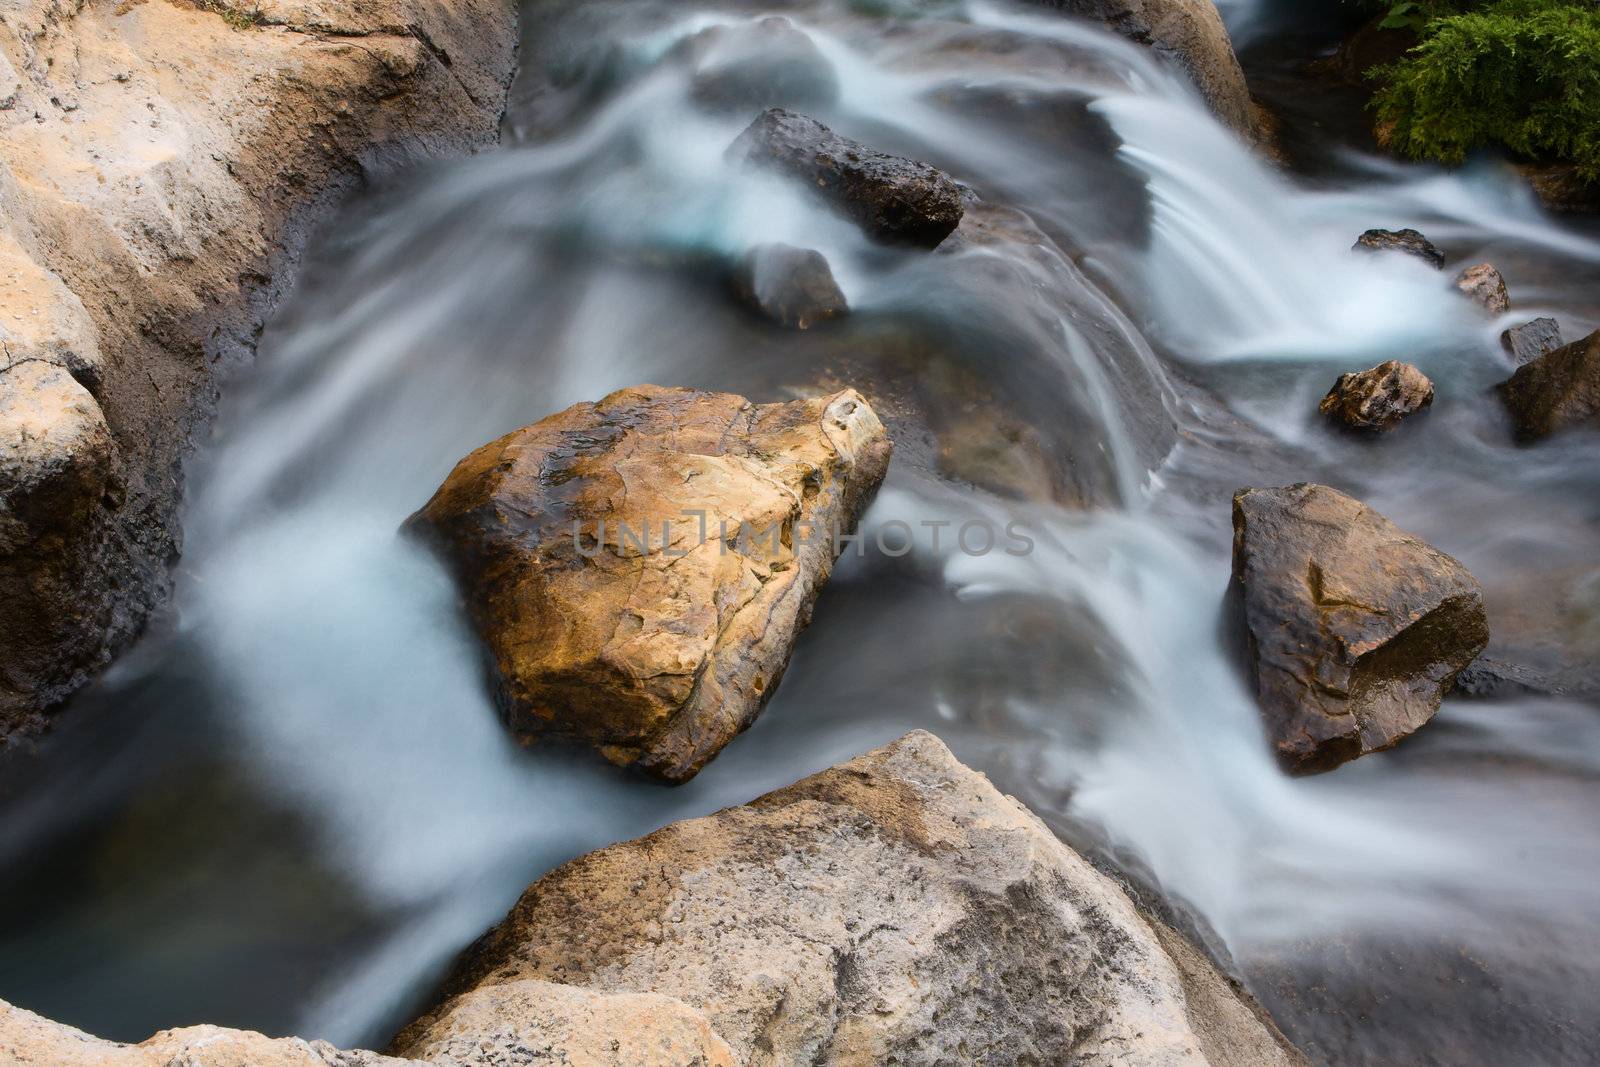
[
  {"x": 895, "y": 909},
  {"x": 769, "y": 63},
  {"x": 532, "y": 1023},
  {"x": 1408, "y": 241},
  {"x": 615, "y": 613},
  {"x": 1528, "y": 342},
  {"x": 1484, "y": 285},
  {"x": 1555, "y": 391},
  {"x": 160, "y": 169},
  {"x": 890, "y": 197},
  {"x": 1191, "y": 33},
  {"x": 1356, "y": 629},
  {"x": 27, "y": 1040},
  {"x": 1377, "y": 399},
  {"x": 792, "y": 286}
]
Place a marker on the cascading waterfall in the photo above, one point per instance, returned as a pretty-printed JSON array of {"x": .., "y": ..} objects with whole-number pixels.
[{"x": 1172, "y": 282}]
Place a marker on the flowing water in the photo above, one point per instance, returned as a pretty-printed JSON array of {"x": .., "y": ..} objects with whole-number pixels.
[{"x": 293, "y": 803}]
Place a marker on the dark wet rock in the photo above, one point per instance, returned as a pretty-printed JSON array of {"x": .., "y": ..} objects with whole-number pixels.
[
  {"x": 1356, "y": 629},
  {"x": 1483, "y": 284},
  {"x": 1191, "y": 33},
  {"x": 1562, "y": 188},
  {"x": 892, "y": 198},
  {"x": 1410, "y": 242},
  {"x": 1528, "y": 342},
  {"x": 792, "y": 286},
  {"x": 769, "y": 63},
  {"x": 1379, "y": 398},
  {"x": 640, "y": 567},
  {"x": 1555, "y": 391},
  {"x": 895, "y": 909}
]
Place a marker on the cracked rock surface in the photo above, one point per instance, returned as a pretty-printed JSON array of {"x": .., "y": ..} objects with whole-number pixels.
[
  {"x": 894, "y": 909},
  {"x": 640, "y": 567},
  {"x": 1356, "y": 629},
  {"x": 160, "y": 165}
]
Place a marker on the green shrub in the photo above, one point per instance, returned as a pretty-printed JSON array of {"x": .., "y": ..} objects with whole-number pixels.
[{"x": 1522, "y": 74}]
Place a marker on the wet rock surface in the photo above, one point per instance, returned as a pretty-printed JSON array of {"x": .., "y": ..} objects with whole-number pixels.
[
  {"x": 892, "y": 198},
  {"x": 769, "y": 63},
  {"x": 1411, "y": 242},
  {"x": 640, "y": 567},
  {"x": 1528, "y": 342},
  {"x": 1377, "y": 399},
  {"x": 793, "y": 287},
  {"x": 893, "y": 909},
  {"x": 1355, "y": 629},
  {"x": 1558, "y": 390},
  {"x": 1483, "y": 284},
  {"x": 1192, "y": 34}
]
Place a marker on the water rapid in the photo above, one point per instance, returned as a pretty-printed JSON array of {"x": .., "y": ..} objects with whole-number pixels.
[{"x": 302, "y": 802}]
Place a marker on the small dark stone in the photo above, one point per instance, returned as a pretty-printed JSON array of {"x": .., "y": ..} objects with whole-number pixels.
[
  {"x": 1379, "y": 398},
  {"x": 1484, "y": 284},
  {"x": 1408, "y": 241},
  {"x": 792, "y": 286},
  {"x": 1528, "y": 342},
  {"x": 1555, "y": 391},
  {"x": 892, "y": 198},
  {"x": 1492, "y": 679}
]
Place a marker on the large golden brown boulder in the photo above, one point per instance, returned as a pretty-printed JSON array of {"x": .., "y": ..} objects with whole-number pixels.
[
  {"x": 640, "y": 567},
  {"x": 1556, "y": 390},
  {"x": 896, "y": 909},
  {"x": 1356, "y": 628}
]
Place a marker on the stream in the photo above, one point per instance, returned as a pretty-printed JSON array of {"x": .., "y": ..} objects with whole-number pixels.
[{"x": 293, "y": 802}]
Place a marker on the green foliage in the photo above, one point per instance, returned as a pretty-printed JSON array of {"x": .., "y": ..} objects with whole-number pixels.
[{"x": 1522, "y": 74}]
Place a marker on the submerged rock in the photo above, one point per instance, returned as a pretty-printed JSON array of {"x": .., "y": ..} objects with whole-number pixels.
[
  {"x": 768, "y": 63},
  {"x": 1528, "y": 342},
  {"x": 792, "y": 286},
  {"x": 1484, "y": 285},
  {"x": 1379, "y": 398},
  {"x": 892, "y": 198},
  {"x": 1356, "y": 629},
  {"x": 1408, "y": 241},
  {"x": 1555, "y": 391},
  {"x": 640, "y": 567},
  {"x": 893, "y": 909}
]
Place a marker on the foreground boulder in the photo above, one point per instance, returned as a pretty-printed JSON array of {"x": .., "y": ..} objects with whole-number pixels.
[
  {"x": 524, "y": 1023},
  {"x": 1483, "y": 284},
  {"x": 640, "y": 567},
  {"x": 793, "y": 287},
  {"x": 768, "y": 63},
  {"x": 895, "y": 909},
  {"x": 1379, "y": 398},
  {"x": 1356, "y": 629},
  {"x": 1528, "y": 342},
  {"x": 1555, "y": 391},
  {"x": 27, "y": 1040},
  {"x": 1411, "y": 242},
  {"x": 892, "y": 198}
]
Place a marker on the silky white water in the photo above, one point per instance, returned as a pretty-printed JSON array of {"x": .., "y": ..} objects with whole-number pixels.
[{"x": 1170, "y": 328}]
